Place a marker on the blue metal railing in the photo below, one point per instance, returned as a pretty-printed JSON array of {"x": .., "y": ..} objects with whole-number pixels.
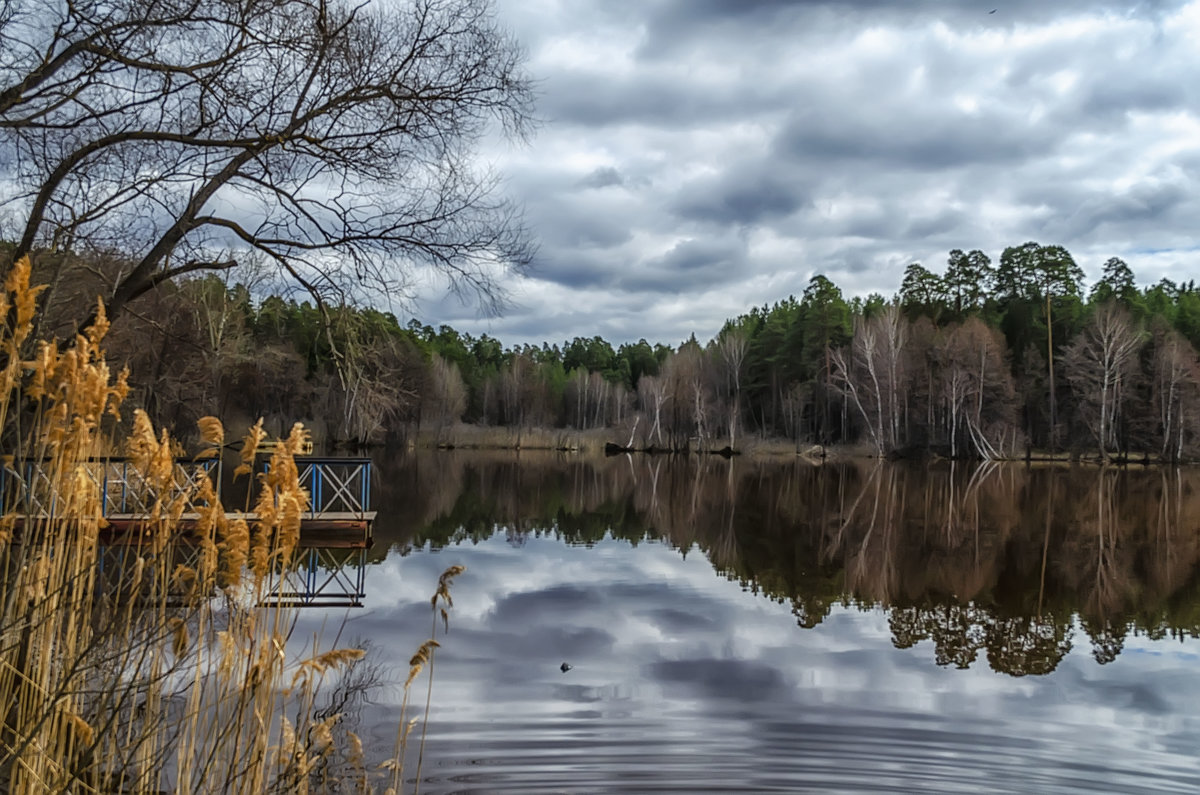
[
  {"x": 335, "y": 485},
  {"x": 321, "y": 579},
  {"x": 26, "y": 488},
  {"x": 318, "y": 577}
]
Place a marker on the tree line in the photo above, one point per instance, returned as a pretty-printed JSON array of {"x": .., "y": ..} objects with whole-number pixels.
[{"x": 979, "y": 361}]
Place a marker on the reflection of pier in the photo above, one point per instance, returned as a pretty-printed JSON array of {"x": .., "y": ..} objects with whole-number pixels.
[{"x": 328, "y": 568}]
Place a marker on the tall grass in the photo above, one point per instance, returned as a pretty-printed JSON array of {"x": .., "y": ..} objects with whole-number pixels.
[{"x": 149, "y": 666}]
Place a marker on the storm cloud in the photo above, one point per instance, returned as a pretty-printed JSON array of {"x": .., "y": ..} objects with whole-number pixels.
[{"x": 701, "y": 157}]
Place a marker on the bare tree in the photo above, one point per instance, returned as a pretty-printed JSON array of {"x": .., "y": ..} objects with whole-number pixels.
[
  {"x": 333, "y": 137},
  {"x": 687, "y": 377},
  {"x": 221, "y": 309},
  {"x": 579, "y": 399},
  {"x": 1099, "y": 363},
  {"x": 652, "y": 395},
  {"x": 1175, "y": 393},
  {"x": 977, "y": 389},
  {"x": 513, "y": 380},
  {"x": 874, "y": 377},
  {"x": 445, "y": 399},
  {"x": 379, "y": 377},
  {"x": 731, "y": 348}
]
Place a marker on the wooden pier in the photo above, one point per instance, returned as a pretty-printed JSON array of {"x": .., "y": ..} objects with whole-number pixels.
[{"x": 335, "y": 532}]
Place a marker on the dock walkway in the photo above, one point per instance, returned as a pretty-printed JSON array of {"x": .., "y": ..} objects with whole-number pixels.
[{"x": 335, "y": 532}]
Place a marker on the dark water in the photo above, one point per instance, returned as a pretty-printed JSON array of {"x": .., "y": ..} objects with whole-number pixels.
[{"x": 752, "y": 626}]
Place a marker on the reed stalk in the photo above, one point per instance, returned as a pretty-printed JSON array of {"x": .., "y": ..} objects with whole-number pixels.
[{"x": 144, "y": 663}]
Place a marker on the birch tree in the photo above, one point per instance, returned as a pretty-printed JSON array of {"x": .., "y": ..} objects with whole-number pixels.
[
  {"x": 1175, "y": 393},
  {"x": 978, "y": 392},
  {"x": 731, "y": 350},
  {"x": 873, "y": 378},
  {"x": 1099, "y": 364}
]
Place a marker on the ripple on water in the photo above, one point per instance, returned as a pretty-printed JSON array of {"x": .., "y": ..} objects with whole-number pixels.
[{"x": 821, "y": 750}]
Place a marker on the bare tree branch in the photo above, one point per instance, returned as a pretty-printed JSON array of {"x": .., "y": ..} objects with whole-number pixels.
[{"x": 336, "y": 137}]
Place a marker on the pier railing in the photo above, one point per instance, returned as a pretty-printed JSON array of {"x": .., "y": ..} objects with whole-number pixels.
[
  {"x": 320, "y": 577},
  {"x": 336, "y": 486},
  {"x": 27, "y": 489},
  {"x": 329, "y": 567}
]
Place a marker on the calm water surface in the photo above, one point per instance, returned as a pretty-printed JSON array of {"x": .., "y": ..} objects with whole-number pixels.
[{"x": 749, "y": 626}]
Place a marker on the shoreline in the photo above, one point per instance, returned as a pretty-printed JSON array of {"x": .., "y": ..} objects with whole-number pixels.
[{"x": 601, "y": 442}]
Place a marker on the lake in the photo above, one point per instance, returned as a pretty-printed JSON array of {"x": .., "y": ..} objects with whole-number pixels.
[{"x": 779, "y": 626}]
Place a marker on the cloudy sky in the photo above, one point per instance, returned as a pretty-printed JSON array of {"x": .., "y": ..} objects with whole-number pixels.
[{"x": 700, "y": 157}]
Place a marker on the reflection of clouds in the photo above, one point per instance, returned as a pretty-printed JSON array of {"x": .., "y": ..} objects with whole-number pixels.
[
  {"x": 672, "y": 621},
  {"x": 741, "y": 680},
  {"x": 674, "y": 662}
]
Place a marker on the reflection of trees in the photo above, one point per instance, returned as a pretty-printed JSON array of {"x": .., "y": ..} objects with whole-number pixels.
[
  {"x": 958, "y": 631},
  {"x": 1015, "y": 645},
  {"x": 1174, "y": 544},
  {"x": 1027, "y": 644},
  {"x": 725, "y": 546},
  {"x": 871, "y": 564},
  {"x": 1000, "y": 558},
  {"x": 1108, "y": 639},
  {"x": 1099, "y": 569},
  {"x": 958, "y": 635}
]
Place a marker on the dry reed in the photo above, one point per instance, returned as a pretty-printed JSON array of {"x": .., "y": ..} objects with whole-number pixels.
[{"x": 145, "y": 663}]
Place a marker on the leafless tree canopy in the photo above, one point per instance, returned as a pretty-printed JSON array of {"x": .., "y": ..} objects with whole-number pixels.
[
  {"x": 334, "y": 137},
  {"x": 1100, "y": 364}
]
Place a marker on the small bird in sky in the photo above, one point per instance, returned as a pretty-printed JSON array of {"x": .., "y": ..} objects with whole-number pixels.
[
  {"x": 992, "y": 11},
  {"x": 565, "y": 667}
]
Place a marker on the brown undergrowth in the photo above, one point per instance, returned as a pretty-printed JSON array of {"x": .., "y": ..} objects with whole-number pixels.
[{"x": 149, "y": 665}]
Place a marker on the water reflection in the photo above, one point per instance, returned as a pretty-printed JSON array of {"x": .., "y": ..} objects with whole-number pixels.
[
  {"x": 749, "y": 626},
  {"x": 992, "y": 560}
]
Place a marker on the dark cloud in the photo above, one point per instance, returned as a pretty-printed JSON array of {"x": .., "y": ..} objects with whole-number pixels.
[
  {"x": 1119, "y": 90},
  {"x": 603, "y": 177},
  {"x": 871, "y": 222},
  {"x": 689, "y": 265},
  {"x": 593, "y": 232},
  {"x": 933, "y": 222},
  {"x": 693, "y": 256},
  {"x": 913, "y": 140},
  {"x": 740, "y": 196},
  {"x": 669, "y": 101},
  {"x": 572, "y": 268},
  {"x": 1141, "y": 204}
]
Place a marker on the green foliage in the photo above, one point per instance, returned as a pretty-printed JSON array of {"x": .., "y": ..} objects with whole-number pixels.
[
  {"x": 1116, "y": 283},
  {"x": 922, "y": 292},
  {"x": 968, "y": 281},
  {"x": 825, "y": 322},
  {"x": 637, "y": 360}
]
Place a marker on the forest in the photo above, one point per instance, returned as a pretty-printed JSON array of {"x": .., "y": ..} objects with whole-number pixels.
[{"x": 983, "y": 360}]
